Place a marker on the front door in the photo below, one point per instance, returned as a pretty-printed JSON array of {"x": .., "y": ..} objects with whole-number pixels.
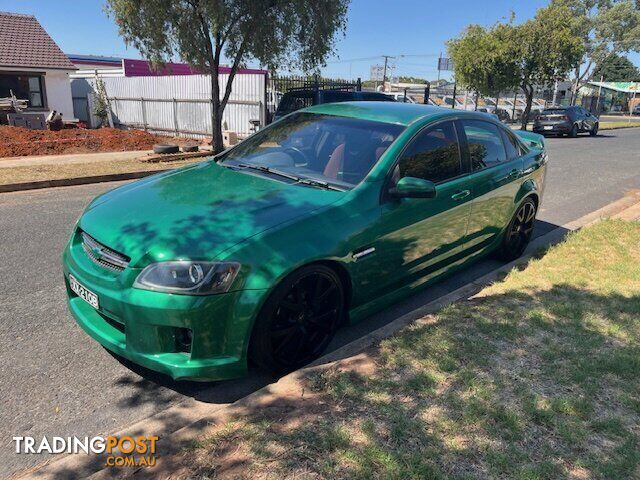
[{"x": 414, "y": 235}]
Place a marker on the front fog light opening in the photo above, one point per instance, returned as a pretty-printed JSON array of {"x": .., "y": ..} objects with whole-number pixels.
[{"x": 184, "y": 339}]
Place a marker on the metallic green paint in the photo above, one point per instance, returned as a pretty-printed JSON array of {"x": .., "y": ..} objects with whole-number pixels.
[{"x": 208, "y": 212}]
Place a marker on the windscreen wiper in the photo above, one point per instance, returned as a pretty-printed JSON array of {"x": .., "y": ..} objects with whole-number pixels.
[
  {"x": 262, "y": 168},
  {"x": 318, "y": 183},
  {"x": 303, "y": 181}
]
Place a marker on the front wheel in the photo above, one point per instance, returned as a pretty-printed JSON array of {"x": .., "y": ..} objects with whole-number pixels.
[
  {"x": 594, "y": 131},
  {"x": 298, "y": 320},
  {"x": 574, "y": 131},
  {"x": 519, "y": 231}
]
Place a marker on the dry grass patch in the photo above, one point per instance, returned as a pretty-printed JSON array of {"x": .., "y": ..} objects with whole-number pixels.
[
  {"x": 535, "y": 378},
  {"x": 73, "y": 170}
]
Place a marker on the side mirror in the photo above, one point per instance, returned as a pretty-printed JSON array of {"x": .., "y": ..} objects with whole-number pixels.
[{"x": 411, "y": 187}]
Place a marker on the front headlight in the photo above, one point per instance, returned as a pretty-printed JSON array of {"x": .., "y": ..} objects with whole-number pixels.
[{"x": 188, "y": 278}]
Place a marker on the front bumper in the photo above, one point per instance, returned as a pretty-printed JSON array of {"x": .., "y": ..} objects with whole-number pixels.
[{"x": 143, "y": 326}]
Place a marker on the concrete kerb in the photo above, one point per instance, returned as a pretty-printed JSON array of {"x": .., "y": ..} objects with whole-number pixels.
[{"x": 200, "y": 416}]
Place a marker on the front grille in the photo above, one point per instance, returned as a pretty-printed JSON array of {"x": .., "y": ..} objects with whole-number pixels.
[{"x": 103, "y": 255}]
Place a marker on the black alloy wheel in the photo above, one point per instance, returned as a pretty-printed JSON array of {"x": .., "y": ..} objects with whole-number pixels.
[
  {"x": 519, "y": 231},
  {"x": 299, "y": 320}
]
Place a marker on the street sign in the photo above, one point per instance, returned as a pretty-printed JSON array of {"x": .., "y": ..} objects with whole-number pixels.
[
  {"x": 376, "y": 73},
  {"x": 445, "y": 64}
]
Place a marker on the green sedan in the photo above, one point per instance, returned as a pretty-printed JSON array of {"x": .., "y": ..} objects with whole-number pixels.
[{"x": 258, "y": 255}]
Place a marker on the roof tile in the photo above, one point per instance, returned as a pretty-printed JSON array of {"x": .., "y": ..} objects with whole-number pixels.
[{"x": 24, "y": 43}]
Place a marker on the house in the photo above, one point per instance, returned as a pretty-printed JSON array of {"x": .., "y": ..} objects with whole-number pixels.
[{"x": 33, "y": 67}]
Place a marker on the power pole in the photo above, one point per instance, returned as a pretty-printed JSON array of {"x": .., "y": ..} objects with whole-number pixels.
[
  {"x": 599, "y": 93},
  {"x": 384, "y": 72}
]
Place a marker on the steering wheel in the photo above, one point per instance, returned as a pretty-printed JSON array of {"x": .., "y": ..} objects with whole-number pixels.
[{"x": 296, "y": 153}]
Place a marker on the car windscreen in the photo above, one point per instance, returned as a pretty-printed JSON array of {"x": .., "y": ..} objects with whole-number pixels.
[{"x": 337, "y": 150}]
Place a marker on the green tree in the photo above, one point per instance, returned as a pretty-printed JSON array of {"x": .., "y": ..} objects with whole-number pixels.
[
  {"x": 606, "y": 28},
  {"x": 546, "y": 49},
  {"x": 483, "y": 59},
  {"x": 296, "y": 33},
  {"x": 101, "y": 104},
  {"x": 418, "y": 80},
  {"x": 616, "y": 68}
]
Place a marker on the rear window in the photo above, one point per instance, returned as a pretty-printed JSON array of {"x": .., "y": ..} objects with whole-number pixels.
[
  {"x": 329, "y": 96},
  {"x": 554, "y": 111},
  {"x": 376, "y": 97}
]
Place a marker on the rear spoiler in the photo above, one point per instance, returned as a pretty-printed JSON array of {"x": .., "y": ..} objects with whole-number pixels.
[{"x": 531, "y": 139}]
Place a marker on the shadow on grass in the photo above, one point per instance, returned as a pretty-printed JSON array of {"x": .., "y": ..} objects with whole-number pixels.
[{"x": 515, "y": 385}]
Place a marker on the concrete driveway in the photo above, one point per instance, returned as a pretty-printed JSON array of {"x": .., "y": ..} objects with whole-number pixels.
[{"x": 56, "y": 381}]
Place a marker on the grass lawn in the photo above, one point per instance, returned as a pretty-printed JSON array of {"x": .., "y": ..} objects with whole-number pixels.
[
  {"x": 536, "y": 377},
  {"x": 72, "y": 170},
  {"x": 616, "y": 125}
]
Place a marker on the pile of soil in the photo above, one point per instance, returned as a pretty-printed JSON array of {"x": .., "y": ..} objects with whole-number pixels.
[{"x": 18, "y": 142}]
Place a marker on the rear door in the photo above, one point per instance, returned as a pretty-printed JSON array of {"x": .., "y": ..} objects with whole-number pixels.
[{"x": 495, "y": 170}]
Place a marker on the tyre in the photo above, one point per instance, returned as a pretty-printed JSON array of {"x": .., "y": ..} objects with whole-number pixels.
[
  {"x": 298, "y": 320},
  {"x": 164, "y": 149},
  {"x": 189, "y": 148},
  {"x": 594, "y": 131},
  {"x": 519, "y": 231},
  {"x": 574, "y": 131}
]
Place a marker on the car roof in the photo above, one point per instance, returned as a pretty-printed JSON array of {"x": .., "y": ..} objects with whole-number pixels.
[{"x": 400, "y": 113}]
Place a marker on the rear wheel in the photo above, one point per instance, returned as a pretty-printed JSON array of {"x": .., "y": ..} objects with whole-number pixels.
[
  {"x": 594, "y": 131},
  {"x": 519, "y": 231},
  {"x": 574, "y": 131},
  {"x": 298, "y": 320}
]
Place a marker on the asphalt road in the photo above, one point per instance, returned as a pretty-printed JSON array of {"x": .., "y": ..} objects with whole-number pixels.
[{"x": 55, "y": 380}]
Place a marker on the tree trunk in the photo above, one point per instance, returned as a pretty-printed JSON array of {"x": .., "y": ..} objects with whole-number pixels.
[
  {"x": 528, "y": 93},
  {"x": 216, "y": 112}
]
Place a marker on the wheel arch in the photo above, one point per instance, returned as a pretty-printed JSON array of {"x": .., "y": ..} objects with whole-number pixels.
[
  {"x": 528, "y": 189},
  {"x": 340, "y": 270}
]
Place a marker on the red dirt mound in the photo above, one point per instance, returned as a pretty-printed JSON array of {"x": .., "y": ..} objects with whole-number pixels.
[{"x": 18, "y": 142}]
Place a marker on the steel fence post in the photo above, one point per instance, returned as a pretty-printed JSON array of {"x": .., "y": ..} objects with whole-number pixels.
[
  {"x": 144, "y": 114},
  {"x": 175, "y": 116}
]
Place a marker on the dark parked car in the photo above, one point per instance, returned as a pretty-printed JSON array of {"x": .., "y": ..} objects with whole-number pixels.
[
  {"x": 566, "y": 120},
  {"x": 297, "y": 99}
]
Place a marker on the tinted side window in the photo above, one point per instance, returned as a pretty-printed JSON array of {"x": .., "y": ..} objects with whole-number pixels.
[
  {"x": 485, "y": 144},
  {"x": 434, "y": 155},
  {"x": 511, "y": 145}
]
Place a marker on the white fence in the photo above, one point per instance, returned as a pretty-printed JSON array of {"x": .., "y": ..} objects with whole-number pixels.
[{"x": 175, "y": 105}]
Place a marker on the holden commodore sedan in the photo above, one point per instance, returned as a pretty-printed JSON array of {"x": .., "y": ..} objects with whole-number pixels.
[{"x": 258, "y": 255}]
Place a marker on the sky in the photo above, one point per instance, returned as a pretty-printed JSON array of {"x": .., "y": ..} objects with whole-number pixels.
[{"x": 414, "y": 31}]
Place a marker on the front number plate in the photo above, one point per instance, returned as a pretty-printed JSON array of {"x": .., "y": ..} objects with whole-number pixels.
[
  {"x": 548, "y": 127},
  {"x": 85, "y": 294}
]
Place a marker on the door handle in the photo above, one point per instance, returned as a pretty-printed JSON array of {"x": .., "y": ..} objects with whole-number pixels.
[
  {"x": 460, "y": 195},
  {"x": 514, "y": 173}
]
